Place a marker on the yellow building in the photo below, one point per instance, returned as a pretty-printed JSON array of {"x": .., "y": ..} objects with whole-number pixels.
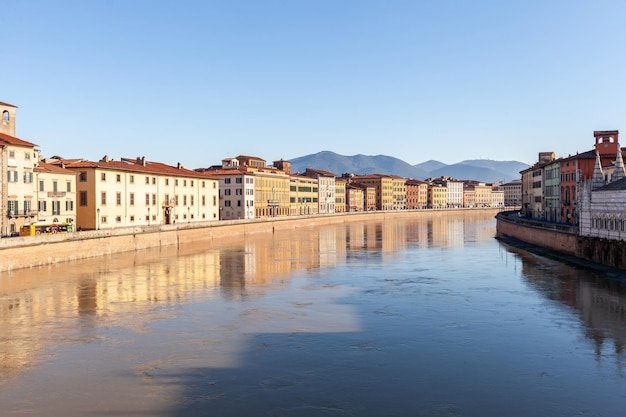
[
  {"x": 469, "y": 197},
  {"x": 137, "y": 192},
  {"x": 340, "y": 195},
  {"x": 303, "y": 195},
  {"x": 437, "y": 196},
  {"x": 383, "y": 186},
  {"x": 399, "y": 192}
]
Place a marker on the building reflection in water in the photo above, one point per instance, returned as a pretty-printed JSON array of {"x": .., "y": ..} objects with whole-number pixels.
[{"x": 600, "y": 301}]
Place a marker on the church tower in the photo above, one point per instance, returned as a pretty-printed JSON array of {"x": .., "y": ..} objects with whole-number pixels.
[
  {"x": 7, "y": 119},
  {"x": 606, "y": 142}
]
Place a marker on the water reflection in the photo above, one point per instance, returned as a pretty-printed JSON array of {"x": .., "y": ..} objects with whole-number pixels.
[
  {"x": 110, "y": 290},
  {"x": 430, "y": 316},
  {"x": 599, "y": 300}
]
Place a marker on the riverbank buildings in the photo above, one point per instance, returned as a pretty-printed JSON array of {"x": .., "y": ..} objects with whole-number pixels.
[
  {"x": 326, "y": 189},
  {"x": 137, "y": 192},
  {"x": 30, "y": 191}
]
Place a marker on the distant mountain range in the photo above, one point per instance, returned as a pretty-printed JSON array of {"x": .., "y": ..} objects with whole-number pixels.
[{"x": 484, "y": 170}]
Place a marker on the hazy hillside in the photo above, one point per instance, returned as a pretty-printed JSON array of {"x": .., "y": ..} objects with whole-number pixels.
[
  {"x": 430, "y": 165},
  {"x": 357, "y": 164},
  {"x": 481, "y": 169}
]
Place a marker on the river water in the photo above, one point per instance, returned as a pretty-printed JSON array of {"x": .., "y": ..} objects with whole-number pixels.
[{"x": 424, "y": 317}]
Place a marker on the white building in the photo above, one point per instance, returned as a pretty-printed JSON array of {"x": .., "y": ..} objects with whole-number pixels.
[{"x": 18, "y": 159}]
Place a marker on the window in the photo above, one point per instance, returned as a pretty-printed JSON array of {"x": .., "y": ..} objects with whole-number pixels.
[
  {"x": 227, "y": 203},
  {"x": 153, "y": 180},
  {"x": 55, "y": 187},
  {"x": 167, "y": 199},
  {"x": 184, "y": 183},
  {"x": 118, "y": 219},
  {"x": 226, "y": 180},
  {"x": 11, "y": 154},
  {"x": 42, "y": 205},
  {"x": 28, "y": 177},
  {"x": 214, "y": 201},
  {"x": 68, "y": 187},
  {"x": 103, "y": 176},
  {"x": 103, "y": 198},
  {"x": 154, "y": 200},
  {"x": 227, "y": 191},
  {"x": 5, "y": 115},
  {"x": 12, "y": 176},
  {"x": 167, "y": 181},
  {"x": 118, "y": 178},
  {"x": 238, "y": 180},
  {"x": 118, "y": 199},
  {"x": 131, "y": 179},
  {"x": 12, "y": 206},
  {"x": 203, "y": 200},
  {"x": 82, "y": 196},
  {"x": 82, "y": 177},
  {"x": 176, "y": 183},
  {"x": 27, "y": 207},
  {"x": 41, "y": 186},
  {"x": 147, "y": 199},
  {"x": 27, "y": 156},
  {"x": 69, "y": 205},
  {"x": 132, "y": 218},
  {"x": 191, "y": 198},
  {"x": 56, "y": 207},
  {"x": 131, "y": 198},
  {"x": 203, "y": 184},
  {"x": 176, "y": 199},
  {"x": 192, "y": 183},
  {"x": 184, "y": 200},
  {"x": 147, "y": 180}
]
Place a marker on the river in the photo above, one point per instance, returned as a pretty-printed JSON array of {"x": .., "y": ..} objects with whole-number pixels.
[{"x": 411, "y": 317}]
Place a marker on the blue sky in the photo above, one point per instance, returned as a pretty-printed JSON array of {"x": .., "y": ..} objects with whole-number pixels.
[{"x": 198, "y": 81}]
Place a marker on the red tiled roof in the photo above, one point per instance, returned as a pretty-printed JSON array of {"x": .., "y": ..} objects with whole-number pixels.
[
  {"x": 45, "y": 167},
  {"x": 131, "y": 165},
  {"x": 320, "y": 172},
  {"x": 12, "y": 140},
  {"x": 7, "y": 104}
]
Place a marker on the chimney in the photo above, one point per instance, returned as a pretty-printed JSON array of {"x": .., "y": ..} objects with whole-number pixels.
[{"x": 105, "y": 158}]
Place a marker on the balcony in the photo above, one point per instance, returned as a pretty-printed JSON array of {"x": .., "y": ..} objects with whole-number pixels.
[{"x": 13, "y": 214}]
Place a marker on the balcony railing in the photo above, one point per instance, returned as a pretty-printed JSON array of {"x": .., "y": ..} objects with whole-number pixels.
[{"x": 21, "y": 213}]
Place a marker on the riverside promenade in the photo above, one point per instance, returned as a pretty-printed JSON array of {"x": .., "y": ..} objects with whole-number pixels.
[{"x": 34, "y": 251}]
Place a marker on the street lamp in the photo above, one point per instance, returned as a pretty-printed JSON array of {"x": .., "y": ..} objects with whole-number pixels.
[{"x": 98, "y": 218}]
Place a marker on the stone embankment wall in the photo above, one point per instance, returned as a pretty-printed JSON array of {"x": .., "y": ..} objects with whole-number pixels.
[
  {"x": 603, "y": 251},
  {"x": 560, "y": 239},
  {"x": 32, "y": 251},
  {"x": 564, "y": 239}
]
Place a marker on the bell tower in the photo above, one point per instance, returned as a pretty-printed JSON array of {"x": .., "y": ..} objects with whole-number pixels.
[
  {"x": 7, "y": 119},
  {"x": 606, "y": 142}
]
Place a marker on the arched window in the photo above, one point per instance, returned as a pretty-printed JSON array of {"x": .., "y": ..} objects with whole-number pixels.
[{"x": 5, "y": 115}]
